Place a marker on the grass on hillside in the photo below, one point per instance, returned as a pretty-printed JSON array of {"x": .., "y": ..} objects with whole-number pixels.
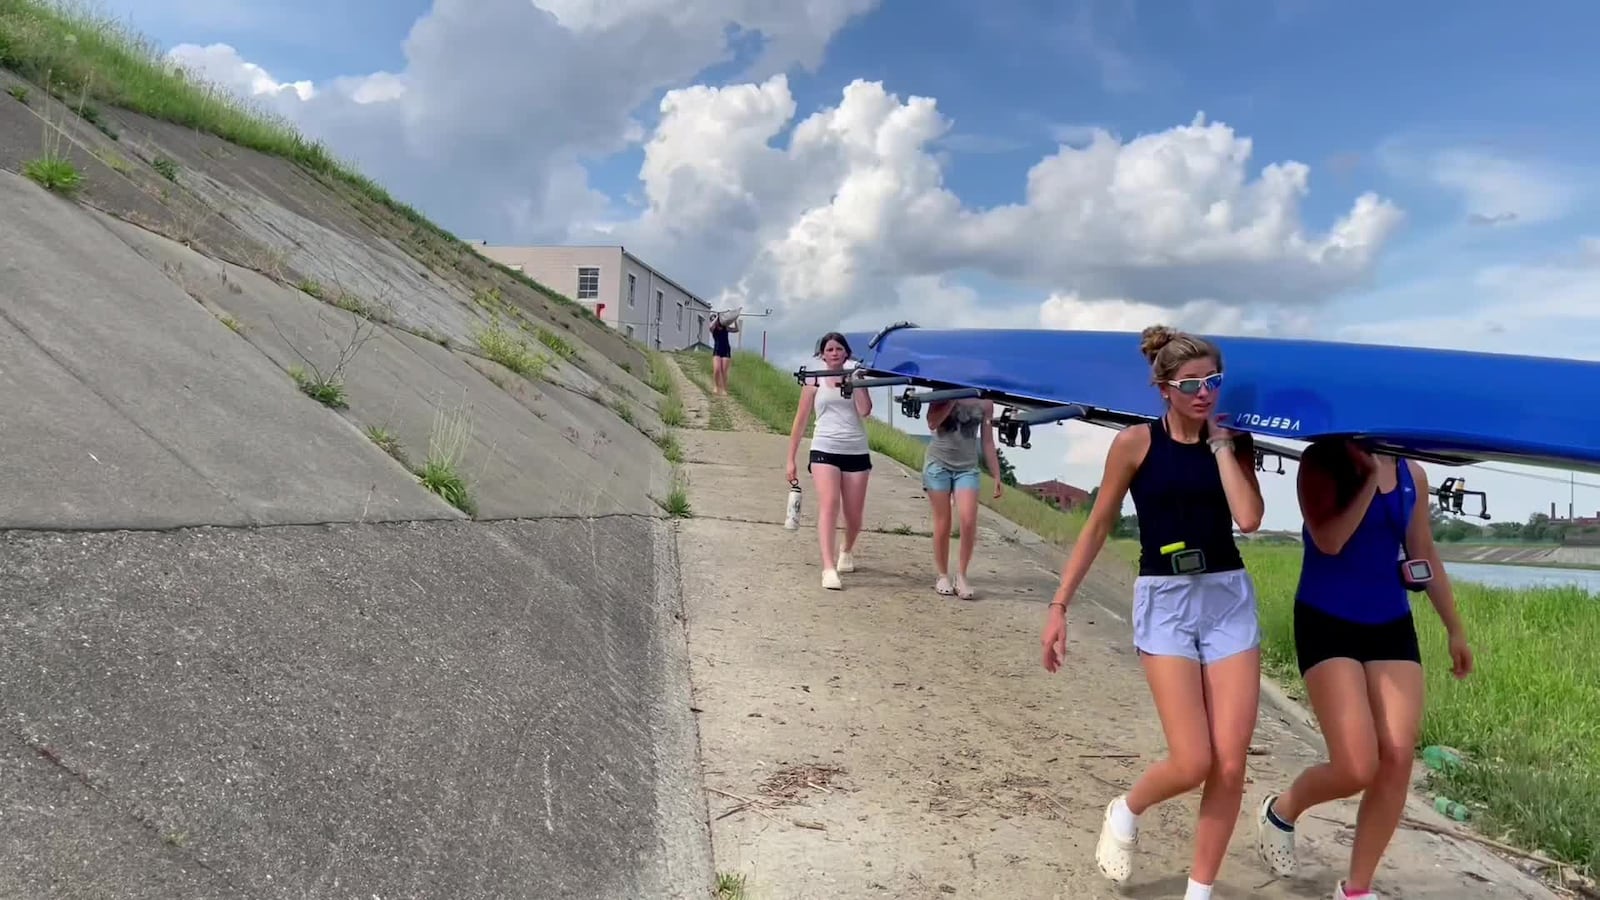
[
  {"x": 1527, "y": 719},
  {"x": 771, "y": 396}
]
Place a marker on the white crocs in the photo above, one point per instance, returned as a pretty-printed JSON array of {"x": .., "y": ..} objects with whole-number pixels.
[
  {"x": 942, "y": 586},
  {"x": 1275, "y": 845},
  {"x": 1113, "y": 854}
]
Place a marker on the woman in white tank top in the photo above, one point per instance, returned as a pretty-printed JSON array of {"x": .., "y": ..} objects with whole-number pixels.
[{"x": 840, "y": 461}]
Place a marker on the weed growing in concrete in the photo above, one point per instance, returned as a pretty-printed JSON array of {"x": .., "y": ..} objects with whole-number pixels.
[
  {"x": 19, "y": 91},
  {"x": 327, "y": 387},
  {"x": 509, "y": 349},
  {"x": 623, "y": 410},
  {"x": 441, "y": 470},
  {"x": 670, "y": 448},
  {"x": 660, "y": 375},
  {"x": 231, "y": 323},
  {"x": 672, "y": 414},
  {"x": 730, "y": 886},
  {"x": 677, "y": 503},
  {"x": 556, "y": 342},
  {"x": 92, "y": 115},
  {"x": 308, "y": 286},
  {"x": 388, "y": 443},
  {"x": 54, "y": 173},
  {"x": 329, "y": 392},
  {"x": 167, "y": 168}
]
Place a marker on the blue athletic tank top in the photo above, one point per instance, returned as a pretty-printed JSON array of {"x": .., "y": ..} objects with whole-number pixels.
[
  {"x": 1361, "y": 583},
  {"x": 1178, "y": 496}
]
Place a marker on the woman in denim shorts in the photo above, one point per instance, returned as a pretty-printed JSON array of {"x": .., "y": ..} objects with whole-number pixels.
[
  {"x": 1194, "y": 606},
  {"x": 963, "y": 430}
]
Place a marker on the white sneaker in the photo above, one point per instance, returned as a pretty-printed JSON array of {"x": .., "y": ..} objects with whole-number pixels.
[
  {"x": 847, "y": 563},
  {"x": 1113, "y": 854},
  {"x": 1339, "y": 894},
  {"x": 1275, "y": 845},
  {"x": 830, "y": 580}
]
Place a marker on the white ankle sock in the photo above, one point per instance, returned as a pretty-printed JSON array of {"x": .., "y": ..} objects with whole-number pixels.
[
  {"x": 1198, "y": 891},
  {"x": 1123, "y": 821}
]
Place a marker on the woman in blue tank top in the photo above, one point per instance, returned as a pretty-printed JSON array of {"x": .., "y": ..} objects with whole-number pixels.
[
  {"x": 1368, "y": 544},
  {"x": 1194, "y": 607}
]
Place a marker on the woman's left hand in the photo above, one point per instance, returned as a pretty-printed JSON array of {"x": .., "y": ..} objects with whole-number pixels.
[
  {"x": 1219, "y": 431},
  {"x": 1460, "y": 656}
]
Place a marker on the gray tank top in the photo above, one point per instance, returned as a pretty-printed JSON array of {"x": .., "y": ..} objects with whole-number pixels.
[{"x": 955, "y": 444}]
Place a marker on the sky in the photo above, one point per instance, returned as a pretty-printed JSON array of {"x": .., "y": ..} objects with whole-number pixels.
[{"x": 1416, "y": 173}]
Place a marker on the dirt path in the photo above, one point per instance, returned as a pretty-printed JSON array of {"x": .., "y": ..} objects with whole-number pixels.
[
  {"x": 886, "y": 742},
  {"x": 707, "y": 412}
]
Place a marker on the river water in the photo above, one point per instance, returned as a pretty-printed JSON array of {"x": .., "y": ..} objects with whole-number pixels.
[{"x": 1524, "y": 576}]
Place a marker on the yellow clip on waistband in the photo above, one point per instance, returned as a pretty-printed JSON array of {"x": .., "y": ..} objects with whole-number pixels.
[{"x": 1172, "y": 548}]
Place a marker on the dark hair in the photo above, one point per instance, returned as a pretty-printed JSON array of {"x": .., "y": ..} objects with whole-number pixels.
[
  {"x": 833, "y": 336},
  {"x": 1332, "y": 457}
]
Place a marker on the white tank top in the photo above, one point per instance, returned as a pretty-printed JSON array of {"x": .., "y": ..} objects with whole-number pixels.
[{"x": 838, "y": 428}]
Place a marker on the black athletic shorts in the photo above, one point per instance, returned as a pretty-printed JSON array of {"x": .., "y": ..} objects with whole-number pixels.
[
  {"x": 1319, "y": 636},
  {"x": 844, "y": 462}
]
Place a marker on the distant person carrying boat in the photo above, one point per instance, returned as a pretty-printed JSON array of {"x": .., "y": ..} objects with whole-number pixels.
[
  {"x": 722, "y": 324},
  {"x": 1194, "y": 611},
  {"x": 1368, "y": 540}
]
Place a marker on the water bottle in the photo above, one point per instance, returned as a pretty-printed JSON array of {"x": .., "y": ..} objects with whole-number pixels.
[
  {"x": 791, "y": 520},
  {"x": 1447, "y": 807}
]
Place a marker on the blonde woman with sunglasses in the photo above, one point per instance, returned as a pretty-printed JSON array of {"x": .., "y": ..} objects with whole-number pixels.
[{"x": 1194, "y": 609}]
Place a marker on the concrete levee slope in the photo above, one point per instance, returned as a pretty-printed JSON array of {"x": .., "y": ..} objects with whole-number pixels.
[
  {"x": 253, "y": 643},
  {"x": 127, "y": 406},
  {"x": 449, "y": 709}
]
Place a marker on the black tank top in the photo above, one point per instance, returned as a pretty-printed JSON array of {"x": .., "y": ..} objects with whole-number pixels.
[{"x": 1177, "y": 494}]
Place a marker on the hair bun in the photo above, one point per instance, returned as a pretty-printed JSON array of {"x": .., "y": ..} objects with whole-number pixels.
[{"x": 1152, "y": 339}]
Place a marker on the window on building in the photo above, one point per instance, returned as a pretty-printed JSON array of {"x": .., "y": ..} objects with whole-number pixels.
[
  {"x": 680, "y": 317},
  {"x": 661, "y": 298},
  {"x": 699, "y": 326},
  {"x": 628, "y": 330},
  {"x": 631, "y": 280},
  {"x": 588, "y": 282}
]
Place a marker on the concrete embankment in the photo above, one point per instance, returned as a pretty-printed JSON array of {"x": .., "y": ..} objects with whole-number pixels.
[{"x": 422, "y": 638}]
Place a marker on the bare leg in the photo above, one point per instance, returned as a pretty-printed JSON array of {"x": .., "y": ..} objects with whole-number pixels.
[
  {"x": 1233, "y": 688},
  {"x": 1178, "y": 688},
  {"x": 854, "y": 492},
  {"x": 967, "y": 509},
  {"x": 826, "y": 478},
  {"x": 940, "y": 501},
  {"x": 1338, "y": 690},
  {"x": 1396, "y": 691}
]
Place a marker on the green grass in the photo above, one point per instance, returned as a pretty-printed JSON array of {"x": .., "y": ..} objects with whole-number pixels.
[
  {"x": 509, "y": 349},
  {"x": 720, "y": 416},
  {"x": 730, "y": 886},
  {"x": 670, "y": 448},
  {"x": 327, "y": 391},
  {"x": 562, "y": 347},
  {"x": 1527, "y": 719},
  {"x": 441, "y": 471},
  {"x": 771, "y": 396},
  {"x": 54, "y": 173}
]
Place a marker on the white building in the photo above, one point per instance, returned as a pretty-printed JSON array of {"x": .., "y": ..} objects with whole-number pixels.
[{"x": 623, "y": 290}]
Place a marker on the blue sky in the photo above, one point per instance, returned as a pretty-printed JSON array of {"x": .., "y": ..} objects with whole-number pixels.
[{"x": 1445, "y": 110}]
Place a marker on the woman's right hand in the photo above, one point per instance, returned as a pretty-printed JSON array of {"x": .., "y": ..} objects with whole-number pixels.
[
  {"x": 789, "y": 471},
  {"x": 1366, "y": 466},
  {"x": 1054, "y": 639}
]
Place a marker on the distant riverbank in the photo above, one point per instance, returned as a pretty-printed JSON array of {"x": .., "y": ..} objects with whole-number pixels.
[{"x": 1520, "y": 554}]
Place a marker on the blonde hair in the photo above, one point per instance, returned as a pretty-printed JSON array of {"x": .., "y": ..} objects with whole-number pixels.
[{"x": 1168, "y": 349}]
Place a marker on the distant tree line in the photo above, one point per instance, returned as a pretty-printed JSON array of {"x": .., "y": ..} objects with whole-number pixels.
[{"x": 1539, "y": 529}]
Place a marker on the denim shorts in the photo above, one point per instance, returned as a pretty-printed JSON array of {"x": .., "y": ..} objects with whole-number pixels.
[
  {"x": 1206, "y": 617},
  {"x": 936, "y": 477}
]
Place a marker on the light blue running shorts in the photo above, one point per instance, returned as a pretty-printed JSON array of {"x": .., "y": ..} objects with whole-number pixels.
[{"x": 1206, "y": 617}]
